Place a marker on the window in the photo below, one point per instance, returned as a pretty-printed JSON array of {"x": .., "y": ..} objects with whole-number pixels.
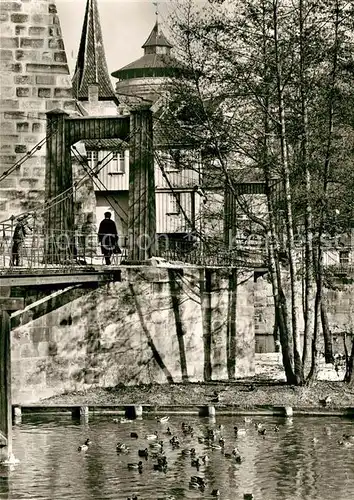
[
  {"x": 344, "y": 257},
  {"x": 173, "y": 203},
  {"x": 117, "y": 163},
  {"x": 170, "y": 160},
  {"x": 92, "y": 158}
]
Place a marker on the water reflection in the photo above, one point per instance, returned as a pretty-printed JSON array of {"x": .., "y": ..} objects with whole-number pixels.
[{"x": 302, "y": 461}]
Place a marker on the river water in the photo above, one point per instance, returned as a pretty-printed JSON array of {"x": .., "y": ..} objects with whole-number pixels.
[{"x": 302, "y": 460}]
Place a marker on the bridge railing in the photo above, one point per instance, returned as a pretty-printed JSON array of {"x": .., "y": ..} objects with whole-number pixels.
[
  {"x": 29, "y": 248},
  {"x": 38, "y": 248}
]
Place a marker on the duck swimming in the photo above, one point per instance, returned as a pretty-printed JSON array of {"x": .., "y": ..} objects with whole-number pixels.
[
  {"x": 143, "y": 453},
  {"x": 84, "y": 447},
  {"x": 151, "y": 437},
  {"x": 122, "y": 447},
  {"x": 349, "y": 437},
  {"x": 163, "y": 420},
  {"x": 239, "y": 431},
  {"x": 134, "y": 435},
  {"x": 138, "y": 465}
]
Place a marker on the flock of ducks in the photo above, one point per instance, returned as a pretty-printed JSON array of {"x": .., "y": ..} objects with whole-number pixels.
[{"x": 213, "y": 439}]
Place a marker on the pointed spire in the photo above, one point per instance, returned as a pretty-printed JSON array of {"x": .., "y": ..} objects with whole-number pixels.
[
  {"x": 91, "y": 66},
  {"x": 156, "y": 39}
]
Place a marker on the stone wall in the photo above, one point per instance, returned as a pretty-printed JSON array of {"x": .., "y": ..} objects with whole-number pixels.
[
  {"x": 339, "y": 302},
  {"x": 34, "y": 78},
  {"x": 157, "y": 325}
]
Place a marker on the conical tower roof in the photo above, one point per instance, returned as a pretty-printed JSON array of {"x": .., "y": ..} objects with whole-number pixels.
[
  {"x": 91, "y": 66},
  {"x": 157, "y": 38}
]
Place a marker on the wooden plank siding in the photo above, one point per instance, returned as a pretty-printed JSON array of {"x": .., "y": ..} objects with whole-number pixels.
[{"x": 169, "y": 217}]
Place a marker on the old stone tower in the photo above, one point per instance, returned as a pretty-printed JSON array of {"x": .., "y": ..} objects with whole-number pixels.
[{"x": 34, "y": 79}]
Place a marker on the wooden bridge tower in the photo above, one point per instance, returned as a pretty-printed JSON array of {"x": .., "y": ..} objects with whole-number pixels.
[{"x": 63, "y": 131}]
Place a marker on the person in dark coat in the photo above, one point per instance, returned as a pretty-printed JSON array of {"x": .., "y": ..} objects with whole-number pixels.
[
  {"x": 108, "y": 237},
  {"x": 20, "y": 232}
]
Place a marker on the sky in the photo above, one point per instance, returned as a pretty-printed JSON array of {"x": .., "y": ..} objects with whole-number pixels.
[{"x": 126, "y": 24}]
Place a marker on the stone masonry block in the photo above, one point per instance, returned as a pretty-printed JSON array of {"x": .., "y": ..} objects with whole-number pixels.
[
  {"x": 6, "y": 55},
  {"x": 19, "y": 18},
  {"x": 36, "y": 30},
  {"x": 47, "y": 57},
  {"x": 9, "y": 43},
  {"x": 8, "y": 104},
  {"x": 47, "y": 68},
  {"x": 22, "y": 127},
  {"x": 11, "y": 6},
  {"x": 20, "y": 30},
  {"x": 24, "y": 80},
  {"x": 22, "y": 92},
  {"x": 27, "y": 55},
  {"x": 20, "y": 148},
  {"x": 7, "y": 127},
  {"x": 60, "y": 57},
  {"x": 34, "y": 43},
  {"x": 13, "y": 68},
  {"x": 45, "y": 92},
  {"x": 63, "y": 93},
  {"x": 42, "y": 19},
  {"x": 7, "y": 92},
  {"x": 45, "y": 80},
  {"x": 56, "y": 43},
  {"x": 36, "y": 127}
]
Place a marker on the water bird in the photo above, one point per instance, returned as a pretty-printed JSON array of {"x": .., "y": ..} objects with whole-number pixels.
[
  {"x": 151, "y": 437},
  {"x": 349, "y": 437},
  {"x": 195, "y": 462},
  {"x": 163, "y": 420},
  {"x": 248, "y": 496},
  {"x": 215, "y": 446},
  {"x": 134, "y": 435},
  {"x": 326, "y": 401},
  {"x": 215, "y": 493},
  {"x": 215, "y": 397},
  {"x": 205, "y": 459},
  {"x": 247, "y": 420},
  {"x": 262, "y": 431},
  {"x": 157, "y": 446},
  {"x": 222, "y": 442},
  {"x": 258, "y": 426},
  {"x": 84, "y": 447},
  {"x": 315, "y": 440},
  {"x": 239, "y": 431},
  {"x": 134, "y": 497},
  {"x": 122, "y": 447},
  {"x": 276, "y": 428},
  {"x": 187, "y": 452},
  {"x": 122, "y": 420},
  {"x": 143, "y": 453},
  {"x": 168, "y": 432},
  {"x": 197, "y": 481},
  {"x": 175, "y": 442},
  {"x": 136, "y": 466}
]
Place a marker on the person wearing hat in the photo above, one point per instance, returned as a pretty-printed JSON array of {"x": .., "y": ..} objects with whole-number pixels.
[
  {"x": 108, "y": 237},
  {"x": 20, "y": 232}
]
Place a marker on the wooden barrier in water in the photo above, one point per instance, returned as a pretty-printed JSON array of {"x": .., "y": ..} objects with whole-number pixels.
[{"x": 7, "y": 304}]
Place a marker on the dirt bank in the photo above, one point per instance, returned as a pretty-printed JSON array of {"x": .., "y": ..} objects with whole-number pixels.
[{"x": 244, "y": 394}]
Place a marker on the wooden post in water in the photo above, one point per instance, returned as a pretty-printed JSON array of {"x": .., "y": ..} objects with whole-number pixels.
[
  {"x": 59, "y": 219},
  {"x": 7, "y": 304},
  {"x": 142, "y": 209}
]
